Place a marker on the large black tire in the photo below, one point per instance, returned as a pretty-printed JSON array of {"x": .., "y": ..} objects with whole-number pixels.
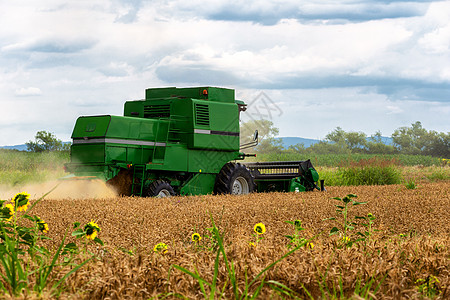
[
  {"x": 234, "y": 179},
  {"x": 160, "y": 189}
]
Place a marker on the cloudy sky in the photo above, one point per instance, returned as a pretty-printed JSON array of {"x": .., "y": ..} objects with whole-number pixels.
[{"x": 309, "y": 66}]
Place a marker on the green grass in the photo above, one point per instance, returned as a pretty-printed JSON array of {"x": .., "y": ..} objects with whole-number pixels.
[
  {"x": 438, "y": 173},
  {"x": 338, "y": 176},
  {"x": 370, "y": 175},
  {"x": 360, "y": 176},
  {"x": 18, "y": 167}
]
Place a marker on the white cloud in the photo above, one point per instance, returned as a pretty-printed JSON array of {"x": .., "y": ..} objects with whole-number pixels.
[
  {"x": 29, "y": 91},
  {"x": 394, "y": 109}
]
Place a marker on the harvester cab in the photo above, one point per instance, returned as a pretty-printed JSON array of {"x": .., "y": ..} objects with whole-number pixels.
[{"x": 178, "y": 141}]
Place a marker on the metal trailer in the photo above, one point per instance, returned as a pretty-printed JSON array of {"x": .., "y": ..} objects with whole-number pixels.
[{"x": 178, "y": 141}]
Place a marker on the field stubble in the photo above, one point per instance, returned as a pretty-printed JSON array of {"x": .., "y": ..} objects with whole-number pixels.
[{"x": 412, "y": 242}]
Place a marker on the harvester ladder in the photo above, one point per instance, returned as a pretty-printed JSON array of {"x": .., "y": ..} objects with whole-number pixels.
[{"x": 137, "y": 185}]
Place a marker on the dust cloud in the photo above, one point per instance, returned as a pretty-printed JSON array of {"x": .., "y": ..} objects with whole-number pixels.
[{"x": 63, "y": 189}]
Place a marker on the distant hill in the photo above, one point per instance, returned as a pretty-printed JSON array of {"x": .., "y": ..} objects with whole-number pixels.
[
  {"x": 16, "y": 147},
  {"x": 290, "y": 141},
  {"x": 385, "y": 140}
]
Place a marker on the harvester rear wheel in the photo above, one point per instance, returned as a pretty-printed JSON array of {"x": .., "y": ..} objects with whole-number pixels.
[
  {"x": 234, "y": 179},
  {"x": 160, "y": 189}
]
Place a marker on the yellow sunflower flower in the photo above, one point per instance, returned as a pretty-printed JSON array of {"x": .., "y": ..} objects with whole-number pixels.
[
  {"x": 196, "y": 237},
  {"x": 91, "y": 230},
  {"x": 91, "y": 236},
  {"x": 260, "y": 228},
  {"x": 21, "y": 201},
  {"x": 160, "y": 248},
  {"x": 7, "y": 212},
  {"x": 42, "y": 226}
]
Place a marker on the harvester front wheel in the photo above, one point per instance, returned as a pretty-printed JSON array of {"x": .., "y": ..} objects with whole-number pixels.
[
  {"x": 234, "y": 179},
  {"x": 160, "y": 189}
]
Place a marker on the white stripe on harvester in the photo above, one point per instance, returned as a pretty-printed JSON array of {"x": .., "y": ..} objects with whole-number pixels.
[
  {"x": 118, "y": 141},
  {"x": 204, "y": 131}
]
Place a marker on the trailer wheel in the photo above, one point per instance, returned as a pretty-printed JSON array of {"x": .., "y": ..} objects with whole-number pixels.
[
  {"x": 160, "y": 189},
  {"x": 234, "y": 179}
]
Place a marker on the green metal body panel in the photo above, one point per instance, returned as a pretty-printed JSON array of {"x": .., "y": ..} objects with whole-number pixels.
[
  {"x": 200, "y": 184},
  {"x": 112, "y": 139},
  {"x": 212, "y": 93}
]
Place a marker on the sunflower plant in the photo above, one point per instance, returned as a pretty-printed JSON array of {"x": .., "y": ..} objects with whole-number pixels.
[
  {"x": 19, "y": 243},
  {"x": 88, "y": 233},
  {"x": 259, "y": 230},
  {"x": 23, "y": 257},
  {"x": 160, "y": 248},
  {"x": 196, "y": 238},
  {"x": 368, "y": 223},
  {"x": 295, "y": 240},
  {"x": 344, "y": 224},
  {"x": 212, "y": 242}
]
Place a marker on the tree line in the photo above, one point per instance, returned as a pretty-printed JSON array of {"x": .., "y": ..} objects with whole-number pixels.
[{"x": 414, "y": 140}]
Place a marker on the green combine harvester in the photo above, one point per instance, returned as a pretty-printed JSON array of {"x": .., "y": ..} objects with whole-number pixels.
[{"x": 179, "y": 141}]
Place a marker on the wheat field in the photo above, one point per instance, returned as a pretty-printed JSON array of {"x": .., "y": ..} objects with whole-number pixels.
[{"x": 407, "y": 256}]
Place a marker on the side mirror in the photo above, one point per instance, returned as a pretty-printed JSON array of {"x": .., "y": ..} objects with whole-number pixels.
[
  {"x": 252, "y": 143},
  {"x": 255, "y": 135}
]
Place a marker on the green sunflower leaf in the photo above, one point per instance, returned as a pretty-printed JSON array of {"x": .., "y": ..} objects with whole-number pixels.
[
  {"x": 98, "y": 241},
  {"x": 78, "y": 232}
]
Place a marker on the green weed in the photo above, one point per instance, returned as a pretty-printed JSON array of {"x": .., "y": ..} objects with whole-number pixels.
[
  {"x": 411, "y": 184},
  {"x": 370, "y": 172}
]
